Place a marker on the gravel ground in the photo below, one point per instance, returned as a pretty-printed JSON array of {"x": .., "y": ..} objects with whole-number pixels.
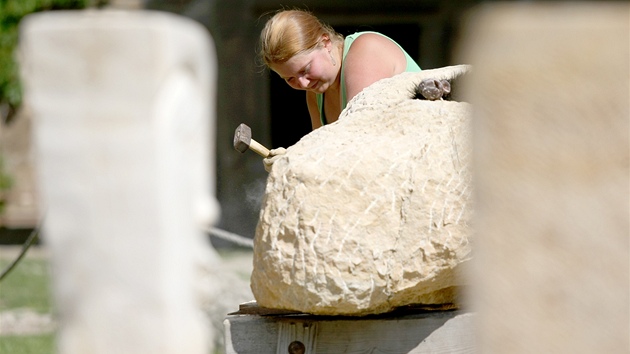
[{"x": 24, "y": 322}]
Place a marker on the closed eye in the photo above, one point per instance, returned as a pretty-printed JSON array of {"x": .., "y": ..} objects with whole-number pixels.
[{"x": 304, "y": 71}]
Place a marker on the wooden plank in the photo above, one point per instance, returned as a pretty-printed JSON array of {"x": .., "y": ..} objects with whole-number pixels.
[{"x": 252, "y": 308}]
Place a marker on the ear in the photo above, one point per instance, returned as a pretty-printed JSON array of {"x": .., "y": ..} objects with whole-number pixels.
[{"x": 326, "y": 41}]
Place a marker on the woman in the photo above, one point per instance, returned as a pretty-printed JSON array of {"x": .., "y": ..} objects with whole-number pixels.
[{"x": 311, "y": 56}]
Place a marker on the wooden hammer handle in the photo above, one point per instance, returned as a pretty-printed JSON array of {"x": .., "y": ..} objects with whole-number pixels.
[{"x": 258, "y": 148}]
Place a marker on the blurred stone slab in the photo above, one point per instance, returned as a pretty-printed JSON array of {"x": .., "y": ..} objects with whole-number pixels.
[
  {"x": 371, "y": 212},
  {"x": 551, "y": 94},
  {"x": 123, "y": 111}
]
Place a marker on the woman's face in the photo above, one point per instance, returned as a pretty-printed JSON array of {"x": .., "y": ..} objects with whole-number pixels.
[{"x": 311, "y": 71}]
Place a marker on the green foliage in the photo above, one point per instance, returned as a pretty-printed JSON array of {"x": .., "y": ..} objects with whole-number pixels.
[{"x": 11, "y": 12}]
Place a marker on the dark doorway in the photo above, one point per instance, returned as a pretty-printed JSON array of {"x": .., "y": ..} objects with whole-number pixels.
[{"x": 289, "y": 116}]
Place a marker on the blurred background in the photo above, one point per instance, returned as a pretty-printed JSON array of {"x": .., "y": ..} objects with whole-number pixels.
[{"x": 247, "y": 92}]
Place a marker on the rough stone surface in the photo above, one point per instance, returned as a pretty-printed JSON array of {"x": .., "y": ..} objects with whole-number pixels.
[{"x": 371, "y": 212}]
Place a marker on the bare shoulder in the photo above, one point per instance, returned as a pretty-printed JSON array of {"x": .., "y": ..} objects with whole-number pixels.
[
  {"x": 371, "y": 57},
  {"x": 372, "y": 45}
]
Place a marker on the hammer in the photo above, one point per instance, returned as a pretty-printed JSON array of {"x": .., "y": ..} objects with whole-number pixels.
[{"x": 243, "y": 141}]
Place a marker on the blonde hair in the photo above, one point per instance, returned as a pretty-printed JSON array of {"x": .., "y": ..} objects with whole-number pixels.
[{"x": 291, "y": 32}]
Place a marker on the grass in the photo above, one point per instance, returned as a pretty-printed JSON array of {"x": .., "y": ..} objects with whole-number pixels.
[
  {"x": 26, "y": 287},
  {"x": 41, "y": 344}
]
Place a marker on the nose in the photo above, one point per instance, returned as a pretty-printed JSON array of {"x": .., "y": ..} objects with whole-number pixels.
[{"x": 303, "y": 81}]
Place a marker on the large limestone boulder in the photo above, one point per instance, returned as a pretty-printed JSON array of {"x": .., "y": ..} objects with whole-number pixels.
[{"x": 371, "y": 212}]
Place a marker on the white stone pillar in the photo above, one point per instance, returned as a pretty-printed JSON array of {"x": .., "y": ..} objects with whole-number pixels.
[
  {"x": 550, "y": 89},
  {"x": 123, "y": 106}
]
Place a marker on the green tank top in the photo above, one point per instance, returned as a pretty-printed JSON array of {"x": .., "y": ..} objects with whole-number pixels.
[{"x": 412, "y": 66}]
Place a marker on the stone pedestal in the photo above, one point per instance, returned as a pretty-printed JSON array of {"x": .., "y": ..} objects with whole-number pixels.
[{"x": 410, "y": 331}]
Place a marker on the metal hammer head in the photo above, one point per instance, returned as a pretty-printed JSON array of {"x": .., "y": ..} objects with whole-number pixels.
[{"x": 242, "y": 137}]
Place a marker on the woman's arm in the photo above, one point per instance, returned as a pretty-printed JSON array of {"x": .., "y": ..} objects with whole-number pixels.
[
  {"x": 371, "y": 58},
  {"x": 313, "y": 110}
]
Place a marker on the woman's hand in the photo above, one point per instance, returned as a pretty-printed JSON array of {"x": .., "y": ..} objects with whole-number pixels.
[{"x": 274, "y": 154}]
